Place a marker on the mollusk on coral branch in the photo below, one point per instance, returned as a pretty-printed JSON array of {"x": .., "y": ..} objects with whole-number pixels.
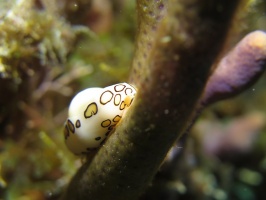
[{"x": 93, "y": 114}]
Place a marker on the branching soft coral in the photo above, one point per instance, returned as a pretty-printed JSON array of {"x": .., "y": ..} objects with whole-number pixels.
[{"x": 176, "y": 45}]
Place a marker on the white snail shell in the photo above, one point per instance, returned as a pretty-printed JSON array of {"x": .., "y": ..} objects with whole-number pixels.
[{"x": 93, "y": 114}]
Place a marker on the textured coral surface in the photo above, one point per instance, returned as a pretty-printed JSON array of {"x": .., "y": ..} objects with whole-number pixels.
[{"x": 182, "y": 55}]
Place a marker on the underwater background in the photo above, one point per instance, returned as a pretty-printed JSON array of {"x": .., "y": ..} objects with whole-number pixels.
[{"x": 50, "y": 50}]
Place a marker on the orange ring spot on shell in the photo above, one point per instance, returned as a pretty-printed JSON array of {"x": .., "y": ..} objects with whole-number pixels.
[
  {"x": 78, "y": 124},
  {"x": 128, "y": 91},
  {"x": 106, "y": 123},
  {"x": 122, "y": 105},
  {"x": 117, "y": 118},
  {"x": 91, "y": 110},
  {"x": 119, "y": 87},
  {"x": 106, "y": 97},
  {"x": 117, "y": 99},
  {"x": 71, "y": 126}
]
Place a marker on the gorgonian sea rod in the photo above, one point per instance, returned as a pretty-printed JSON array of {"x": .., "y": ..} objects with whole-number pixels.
[{"x": 171, "y": 67}]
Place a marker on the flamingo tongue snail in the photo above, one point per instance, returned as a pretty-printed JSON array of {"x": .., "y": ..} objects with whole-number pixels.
[{"x": 93, "y": 114}]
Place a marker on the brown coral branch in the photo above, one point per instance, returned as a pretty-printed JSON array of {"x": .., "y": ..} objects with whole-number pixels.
[{"x": 174, "y": 53}]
